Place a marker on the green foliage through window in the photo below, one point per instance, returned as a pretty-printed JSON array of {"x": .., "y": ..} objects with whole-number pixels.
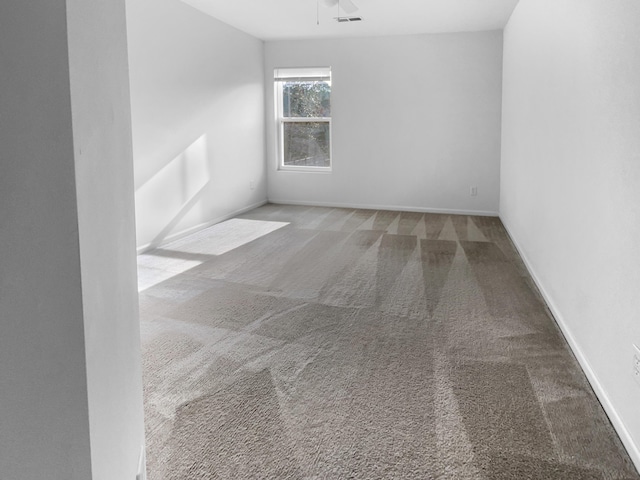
[
  {"x": 305, "y": 122},
  {"x": 306, "y": 144},
  {"x": 306, "y": 99}
]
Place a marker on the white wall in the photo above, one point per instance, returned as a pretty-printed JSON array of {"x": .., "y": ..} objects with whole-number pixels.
[
  {"x": 197, "y": 97},
  {"x": 570, "y": 177},
  {"x": 104, "y": 183},
  {"x": 70, "y": 389},
  {"x": 44, "y": 430},
  {"x": 416, "y": 122}
]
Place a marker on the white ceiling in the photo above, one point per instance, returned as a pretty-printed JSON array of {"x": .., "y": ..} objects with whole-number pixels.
[{"x": 287, "y": 19}]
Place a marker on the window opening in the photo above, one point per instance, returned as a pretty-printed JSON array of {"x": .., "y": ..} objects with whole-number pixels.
[{"x": 303, "y": 106}]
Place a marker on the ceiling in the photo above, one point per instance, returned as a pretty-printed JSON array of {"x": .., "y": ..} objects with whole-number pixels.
[{"x": 290, "y": 19}]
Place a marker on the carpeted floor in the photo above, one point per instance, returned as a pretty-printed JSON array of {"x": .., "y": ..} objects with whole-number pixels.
[{"x": 319, "y": 343}]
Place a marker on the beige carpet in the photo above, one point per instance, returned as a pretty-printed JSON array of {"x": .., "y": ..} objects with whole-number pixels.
[{"x": 318, "y": 343}]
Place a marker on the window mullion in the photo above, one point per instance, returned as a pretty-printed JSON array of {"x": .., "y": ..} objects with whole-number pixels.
[{"x": 306, "y": 119}]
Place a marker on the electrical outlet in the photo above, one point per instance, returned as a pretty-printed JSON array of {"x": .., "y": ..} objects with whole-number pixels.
[
  {"x": 252, "y": 185},
  {"x": 473, "y": 191}
]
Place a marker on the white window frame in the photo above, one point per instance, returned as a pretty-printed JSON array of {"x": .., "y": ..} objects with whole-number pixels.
[{"x": 281, "y": 75}]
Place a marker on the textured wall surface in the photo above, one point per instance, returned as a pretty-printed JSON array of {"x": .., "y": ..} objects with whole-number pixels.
[
  {"x": 570, "y": 176},
  {"x": 197, "y": 99},
  {"x": 44, "y": 429},
  {"x": 104, "y": 182},
  {"x": 70, "y": 386},
  {"x": 416, "y": 122}
]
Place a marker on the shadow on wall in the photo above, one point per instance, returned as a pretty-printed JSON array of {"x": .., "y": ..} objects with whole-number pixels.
[{"x": 172, "y": 192}]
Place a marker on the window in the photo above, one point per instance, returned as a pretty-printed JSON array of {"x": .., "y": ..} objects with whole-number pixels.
[{"x": 303, "y": 108}]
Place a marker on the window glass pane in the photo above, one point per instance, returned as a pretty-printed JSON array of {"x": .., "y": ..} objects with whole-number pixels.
[
  {"x": 306, "y": 144},
  {"x": 306, "y": 99}
]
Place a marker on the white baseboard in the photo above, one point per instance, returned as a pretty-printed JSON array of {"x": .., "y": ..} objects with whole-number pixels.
[
  {"x": 395, "y": 208},
  {"x": 196, "y": 228},
  {"x": 142, "y": 464},
  {"x": 592, "y": 377}
]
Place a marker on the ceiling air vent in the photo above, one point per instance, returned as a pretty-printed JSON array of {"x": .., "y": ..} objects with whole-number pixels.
[{"x": 348, "y": 19}]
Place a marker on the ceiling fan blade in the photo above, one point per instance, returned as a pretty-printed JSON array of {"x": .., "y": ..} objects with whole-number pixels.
[
  {"x": 330, "y": 3},
  {"x": 348, "y": 6}
]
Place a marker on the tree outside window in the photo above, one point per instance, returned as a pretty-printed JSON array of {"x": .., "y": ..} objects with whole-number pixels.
[{"x": 304, "y": 117}]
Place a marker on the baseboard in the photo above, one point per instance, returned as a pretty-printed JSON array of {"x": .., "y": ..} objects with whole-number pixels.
[
  {"x": 398, "y": 208},
  {"x": 177, "y": 236},
  {"x": 142, "y": 464},
  {"x": 626, "y": 438}
]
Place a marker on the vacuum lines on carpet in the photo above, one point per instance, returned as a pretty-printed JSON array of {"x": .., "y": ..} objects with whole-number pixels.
[{"x": 360, "y": 344}]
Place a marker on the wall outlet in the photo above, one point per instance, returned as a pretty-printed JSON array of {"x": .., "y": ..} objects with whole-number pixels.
[
  {"x": 636, "y": 363},
  {"x": 473, "y": 191},
  {"x": 252, "y": 185}
]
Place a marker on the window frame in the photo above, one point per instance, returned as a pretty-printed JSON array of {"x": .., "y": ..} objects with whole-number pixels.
[{"x": 300, "y": 74}]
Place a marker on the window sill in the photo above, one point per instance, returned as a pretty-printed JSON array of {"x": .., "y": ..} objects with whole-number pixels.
[{"x": 305, "y": 169}]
